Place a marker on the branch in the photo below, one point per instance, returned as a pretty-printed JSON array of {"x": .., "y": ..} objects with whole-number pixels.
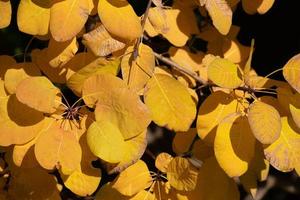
[{"x": 179, "y": 68}]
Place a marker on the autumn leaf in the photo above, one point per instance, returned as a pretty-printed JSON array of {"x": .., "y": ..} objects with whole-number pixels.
[{"x": 5, "y": 16}]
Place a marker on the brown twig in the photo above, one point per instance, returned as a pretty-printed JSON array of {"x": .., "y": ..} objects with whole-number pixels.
[{"x": 179, "y": 68}]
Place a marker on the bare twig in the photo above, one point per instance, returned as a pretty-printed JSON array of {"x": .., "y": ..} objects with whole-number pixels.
[{"x": 179, "y": 68}]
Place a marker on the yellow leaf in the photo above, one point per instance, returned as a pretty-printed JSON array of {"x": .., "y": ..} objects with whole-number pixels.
[
  {"x": 175, "y": 109},
  {"x": 224, "y": 73},
  {"x": 16, "y": 74},
  {"x": 202, "y": 151},
  {"x": 5, "y": 13},
  {"x": 119, "y": 19},
  {"x": 133, "y": 151},
  {"x": 106, "y": 141},
  {"x": 181, "y": 174},
  {"x": 58, "y": 148},
  {"x": 84, "y": 180},
  {"x": 211, "y": 112},
  {"x": 157, "y": 18},
  {"x": 234, "y": 145},
  {"x": 162, "y": 161},
  {"x": 18, "y": 123},
  {"x": 291, "y": 72},
  {"x": 265, "y": 6},
  {"x": 235, "y": 51},
  {"x": 101, "y": 42},
  {"x": 284, "y": 153},
  {"x": 133, "y": 179},
  {"x": 275, "y": 103},
  {"x": 59, "y": 53},
  {"x": 39, "y": 93},
  {"x": 3, "y": 93},
  {"x": 136, "y": 72},
  {"x": 179, "y": 30},
  {"x": 210, "y": 177},
  {"x": 221, "y": 14},
  {"x": 33, "y": 18},
  {"x": 264, "y": 121},
  {"x": 98, "y": 66},
  {"x": 33, "y": 184},
  {"x": 68, "y": 18},
  {"x": 116, "y": 103}
]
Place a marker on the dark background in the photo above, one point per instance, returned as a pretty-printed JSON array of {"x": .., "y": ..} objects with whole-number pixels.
[{"x": 277, "y": 39}]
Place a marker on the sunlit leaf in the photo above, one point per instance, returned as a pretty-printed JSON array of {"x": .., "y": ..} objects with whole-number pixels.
[
  {"x": 133, "y": 179},
  {"x": 212, "y": 111},
  {"x": 264, "y": 121},
  {"x": 101, "y": 42},
  {"x": 221, "y": 14},
  {"x": 291, "y": 72},
  {"x": 133, "y": 151},
  {"x": 59, "y": 53},
  {"x": 39, "y": 93},
  {"x": 18, "y": 122},
  {"x": 67, "y": 18},
  {"x": 136, "y": 72},
  {"x": 162, "y": 161},
  {"x": 108, "y": 193},
  {"x": 175, "y": 108},
  {"x": 284, "y": 153},
  {"x": 84, "y": 180},
  {"x": 143, "y": 195},
  {"x": 106, "y": 141},
  {"x": 5, "y": 13},
  {"x": 234, "y": 145},
  {"x": 33, "y": 18},
  {"x": 58, "y": 148},
  {"x": 224, "y": 73},
  {"x": 116, "y": 103},
  {"x": 16, "y": 74},
  {"x": 98, "y": 66},
  {"x": 119, "y": 19},
  {"x": 181, "y": 174}
]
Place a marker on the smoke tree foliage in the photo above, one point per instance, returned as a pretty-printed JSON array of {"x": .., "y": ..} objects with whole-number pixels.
[{"x": 245, "y": 124}]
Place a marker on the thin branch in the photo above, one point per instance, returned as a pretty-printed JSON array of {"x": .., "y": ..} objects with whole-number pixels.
[
  {"x": 179, "y": 68},
  {"x": 137, "y": 44}
]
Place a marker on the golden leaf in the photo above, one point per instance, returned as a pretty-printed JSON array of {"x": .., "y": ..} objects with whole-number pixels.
[
  {"x": 68, "y": 18},
  {"x": 106, "y": 141},
  {"x": 119, "y": 19},
  {"x": 211, "y": 112},
  {"x": 162, "y": 161},
  {"x": 284, "y": 153},
  {"x": 97, "y": 66},
  {"x": 101, "y": 42},
  {"x": 6, "y": 62},
  {"x": 221, "y": 14},
  {"x": 137, "y": 71},
  {"x": 264, "y": 121},
  {"x": 175, "y": 109},
  {"x": 58, "y": 148},
  {"x": 33, "y": 18},
  {"x": 108, "y": 193},
  {"x": 133, "y": 179},
  {"x": 5, "y": 13},
  {"x": 16, "y": 74},
  {"x": 234, "y": 145},
  {"x": 224, "y": 73},
  {"x": 181, "y": 174},
  {"x": 39, "y": 93},
  {"x": 18, "y": 123},
  {"x": 183, "y": 140},
  {"x": 291, "y": 72}
]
